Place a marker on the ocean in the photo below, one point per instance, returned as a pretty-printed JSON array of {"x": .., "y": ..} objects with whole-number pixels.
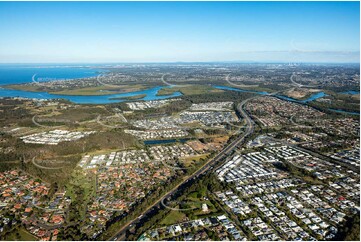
[
  {"x": 23, "y": 73},
  {"x": 16, "y": 74}
]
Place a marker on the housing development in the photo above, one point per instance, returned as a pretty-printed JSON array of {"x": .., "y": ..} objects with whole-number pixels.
[
  {"x": 223, "y": 159},
  {"x": 180, "y": 120}
]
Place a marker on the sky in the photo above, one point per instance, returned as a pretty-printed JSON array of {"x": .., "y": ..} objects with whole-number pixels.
[{"x": 91, "y": 32}]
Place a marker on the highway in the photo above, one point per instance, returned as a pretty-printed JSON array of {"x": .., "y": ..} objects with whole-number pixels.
[
  {"x": 216, "y": 161},
  {"x": 120, "y": 236},
  {"x": 298, "y": 84},
  {"x": 211, "y": 164}
]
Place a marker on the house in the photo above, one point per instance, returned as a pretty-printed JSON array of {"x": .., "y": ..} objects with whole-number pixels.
[
  {"x": 154, "y": 234},
  {"x": 204, "y": 207},
  {"x": 170, "y": 230},
  {"x": 177, "y": 228}
]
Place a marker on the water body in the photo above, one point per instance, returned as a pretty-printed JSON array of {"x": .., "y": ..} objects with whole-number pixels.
[
  {"x": 311, "y": 98},
  {"x": 151, "y": 94},
  {"x": 343, "y": 111},
  {"x": 165, "y": 141},
  {"x": 238, "y": 90},
  {"x": 16, "y": 74}
]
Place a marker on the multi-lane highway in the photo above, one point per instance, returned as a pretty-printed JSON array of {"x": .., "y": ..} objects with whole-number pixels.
[
  {"x": 206, "y": 167},
  {"x": 216, "y": 161},
  {"x": 298, "y": 84}
]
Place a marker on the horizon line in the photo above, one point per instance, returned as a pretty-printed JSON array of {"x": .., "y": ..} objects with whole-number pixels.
[{"x": 185, "y": 62}]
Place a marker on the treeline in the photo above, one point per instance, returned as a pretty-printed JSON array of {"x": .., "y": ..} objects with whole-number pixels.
[
  {"x": 158, "y": 213},
  {"x": 207, "y": 182},
  {"x": 343, "y": 88},
  {"x": 351, "y": 229},
  {"x": 12, "y": 114},
  {"x": 344, "y": 103},
  {"x": 82, "y": 193},
  {"x": 114, "y": 225}
]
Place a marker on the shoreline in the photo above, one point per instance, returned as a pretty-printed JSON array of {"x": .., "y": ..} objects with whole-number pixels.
[{"x": 87, "y": 91}]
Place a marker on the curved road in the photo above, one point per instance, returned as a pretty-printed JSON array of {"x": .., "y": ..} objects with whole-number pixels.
[
  {"x": 238, "y": 85},
  {"x": 172, "y": 85},
  {"x": 298, "y": 84},
  {"x": 120, "y": 236}
]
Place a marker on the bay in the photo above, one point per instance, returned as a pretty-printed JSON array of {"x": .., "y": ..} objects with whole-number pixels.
[{"x": 22, "y": 73}]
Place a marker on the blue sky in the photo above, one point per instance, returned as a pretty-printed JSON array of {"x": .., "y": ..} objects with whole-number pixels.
[{"x": 179, "y": 31}]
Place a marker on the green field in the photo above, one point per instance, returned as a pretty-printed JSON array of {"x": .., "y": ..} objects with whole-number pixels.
[
  {"x": 86, "y": 91},
  {"x": 135, "y": 97},
  {"x": 173, "y": 217},
  {"x": 188, "y": 90},
  {"x": 80, "y": 189},
  {"x": 20, "y": 235},
  {"x": 101, "y": 90}
]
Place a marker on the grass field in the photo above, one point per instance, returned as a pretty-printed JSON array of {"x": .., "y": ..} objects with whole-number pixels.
[
  {"x": 94, "y": 91},
  {"x": 135, "y": 97},
  {"x": 81, "y": 114},
  {"x": 101, "y": 90},
  {"x": 196, "y": 198},
  {"x": 23, "y": 87},
  {"x": 173, "y": 217},
  {"x": 80, "y": 182},
  {"x": 23, "y": 236},
  {"x": 193, "y": 160},
  {"x": 188, "y": 90}
]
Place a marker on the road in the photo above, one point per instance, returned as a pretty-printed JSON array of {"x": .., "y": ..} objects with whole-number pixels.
[
  {"x": 238, "y": 85},
  {"x": 298, "y": 84},
  {"x": 172, "y": 85},
  {"x": 120, "y": 236}
]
